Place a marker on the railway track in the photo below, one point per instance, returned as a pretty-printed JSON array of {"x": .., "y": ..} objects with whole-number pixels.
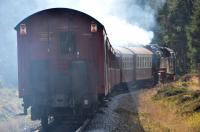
[
  {"x": 63, "y": 126},
  {"x": 83, "y": 126}
]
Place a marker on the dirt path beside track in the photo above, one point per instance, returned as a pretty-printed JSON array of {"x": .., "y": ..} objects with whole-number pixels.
[{"x": 120, "y": 115}]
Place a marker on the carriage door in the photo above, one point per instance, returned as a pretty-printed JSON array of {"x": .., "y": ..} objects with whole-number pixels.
[
  {"x": 39, "y": 76},
  {"x": 79, "y": 73}
]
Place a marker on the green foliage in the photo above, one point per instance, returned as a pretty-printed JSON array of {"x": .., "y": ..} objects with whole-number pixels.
[
  {"x": 179, "y": 29},
  {"x": 186, "y": 101},
  {"x": 193, "y": 33}
]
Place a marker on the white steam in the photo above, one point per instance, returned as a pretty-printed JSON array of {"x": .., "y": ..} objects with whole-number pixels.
[
  {"x": 121, "y": 32},
  {"x": 119, "y": 29}
]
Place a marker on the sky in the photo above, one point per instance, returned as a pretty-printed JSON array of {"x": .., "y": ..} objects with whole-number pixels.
[{"x": 127, "y": 22}]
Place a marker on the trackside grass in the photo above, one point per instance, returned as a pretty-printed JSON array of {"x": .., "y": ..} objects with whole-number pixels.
[{"x": 172, "y": 107}]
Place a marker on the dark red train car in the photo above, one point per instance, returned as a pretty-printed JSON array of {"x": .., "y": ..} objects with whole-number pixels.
[
  {"x": 64, "y": 63},
  {"x": 135, "y": 64},
  {"x": 126, "y": 64},
  {"x": 113, "y": 74},
  {"x": 115, "y": 68},
  {"x": 143, "y": 63}
]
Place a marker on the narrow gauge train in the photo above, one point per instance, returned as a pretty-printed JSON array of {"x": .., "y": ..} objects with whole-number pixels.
[{"x": 66, "y": 64}]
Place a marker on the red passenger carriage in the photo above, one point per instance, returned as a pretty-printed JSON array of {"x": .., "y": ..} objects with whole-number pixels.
[{"x": 64, "y": 61}]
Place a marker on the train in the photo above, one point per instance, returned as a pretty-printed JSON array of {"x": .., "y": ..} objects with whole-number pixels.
[{"x": 67, "y": 65}]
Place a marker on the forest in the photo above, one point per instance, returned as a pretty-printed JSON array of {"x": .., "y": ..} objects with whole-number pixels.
[{"x": 179, "y": 28}]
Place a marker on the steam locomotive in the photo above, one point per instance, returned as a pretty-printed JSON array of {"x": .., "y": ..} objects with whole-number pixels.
[{"x": 66, "y": 64}]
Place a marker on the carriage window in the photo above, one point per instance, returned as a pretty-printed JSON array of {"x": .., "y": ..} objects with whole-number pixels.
[
  {"x": 122, "y": 63},
  {"x": 146, "y": 62},
  {"x": 67, "y": 42},
  {"x": 150, "y": 62},
  {"x": 138, "y": 61},
  {"x": 142, "y": 62}
]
